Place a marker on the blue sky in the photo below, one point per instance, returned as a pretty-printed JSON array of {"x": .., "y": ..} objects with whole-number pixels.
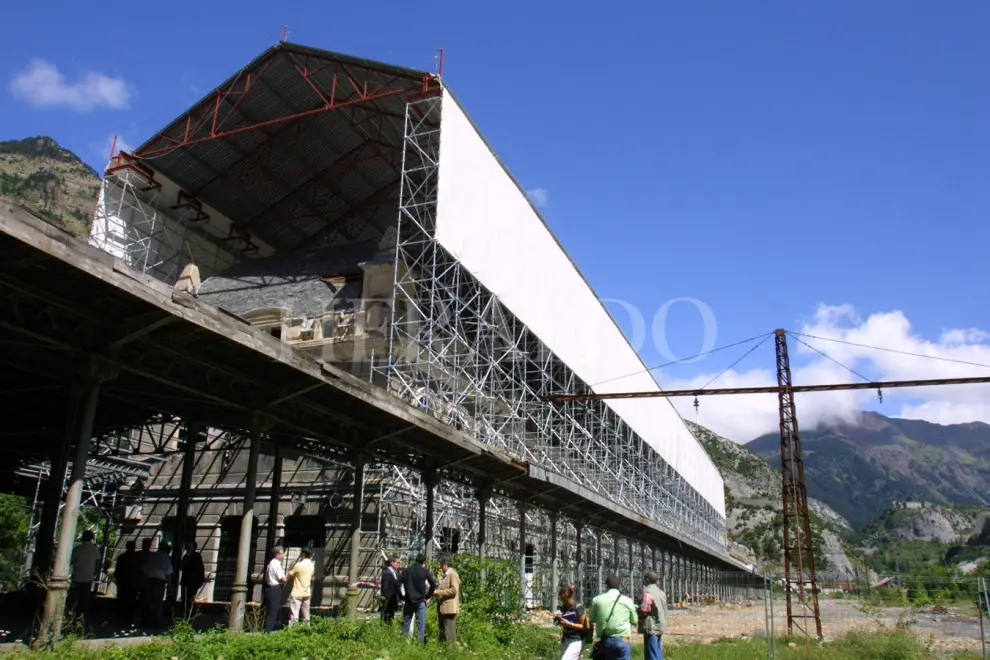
[{"x": 764, "y": 158}]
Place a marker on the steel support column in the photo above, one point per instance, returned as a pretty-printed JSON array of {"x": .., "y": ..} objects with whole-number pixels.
[
  {"x": 522, "y": 554},
  {"x": 617, "y": 556},
  {"x": 579, "y": 562},
  {"x": 554, "y": 575},
  {"x": 482, "y": 497},
  {"x": 600, "y": 551},
  {"x": 239, "y": 591},
  {"x": 45, "y": 537},
  {"x": 271, "y": 532},
  {"x": 430, "y": 480},
  {"x": 353, "y": 573},
  {"x": 182, "y": 507},
  {"x": 87, "y": 393}
]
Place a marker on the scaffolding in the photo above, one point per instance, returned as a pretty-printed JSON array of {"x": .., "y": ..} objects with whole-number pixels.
[
  {"x": 458, "y": 353},
  {"x": 153, "y": 231}
]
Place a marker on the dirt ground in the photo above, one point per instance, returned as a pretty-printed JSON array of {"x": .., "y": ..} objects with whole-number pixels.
[{"x": 955, "y": 629}]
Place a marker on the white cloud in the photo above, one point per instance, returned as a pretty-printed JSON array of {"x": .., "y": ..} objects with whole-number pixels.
[
  {"x": 744, "y": 417},
  {"x": 539, "y": 196},
  {"x": 41, "y": 85}
]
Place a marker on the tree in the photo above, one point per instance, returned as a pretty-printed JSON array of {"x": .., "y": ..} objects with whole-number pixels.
[{"x": 15, "y": 516}]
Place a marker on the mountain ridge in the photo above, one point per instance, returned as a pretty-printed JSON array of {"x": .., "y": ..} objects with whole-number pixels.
[
  {"x": 860, "y": 467},
  {"x": 44, "y": 177}
]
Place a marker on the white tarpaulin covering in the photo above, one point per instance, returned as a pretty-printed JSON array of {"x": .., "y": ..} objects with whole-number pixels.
[{"x": 485, "y": 220}]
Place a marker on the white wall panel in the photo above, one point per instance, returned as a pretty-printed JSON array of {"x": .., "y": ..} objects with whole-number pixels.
[{"x": 486, "y": 221}]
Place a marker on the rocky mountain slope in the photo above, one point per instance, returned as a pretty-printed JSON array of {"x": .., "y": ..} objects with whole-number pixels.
[
  {"x": 923, "y": 521},
  {"x": 860, "y": 468},
  {"x": 753, "y": 508},
  {"x": 915, "y": 537},
  {"x": 51, "y": 181}
]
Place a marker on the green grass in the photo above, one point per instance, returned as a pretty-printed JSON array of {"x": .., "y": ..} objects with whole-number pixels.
[
  {"x": 327, "y": 640},
  {"x": 857, "y": 646}
]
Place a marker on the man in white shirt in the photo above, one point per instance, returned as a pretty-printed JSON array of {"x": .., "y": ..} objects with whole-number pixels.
[
  {"x": 86, "y": 558},
  {"x": 274, "y": 579}
]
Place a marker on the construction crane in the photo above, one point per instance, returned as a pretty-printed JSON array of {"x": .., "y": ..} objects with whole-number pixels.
[{"x": 799, "y": 559}]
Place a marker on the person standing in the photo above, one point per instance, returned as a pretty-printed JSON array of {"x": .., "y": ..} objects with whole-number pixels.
[
  {"x": 448, "y": 595},
  {"x": 274, "y": 580},
  {"x": 302, "y": 588},
  {"x": 157, "y": 569},
  {"x": 653, "y": 617},
  {"x": 419, "y": 585},
  {"x": 574, "y": 620},
  {"x": 127, "y": 575},
  {"x": 613, "y": 616},
  {"x": 390, "y": 589},
  {"x": 140, "y": 560},
  {"x": 86, "y": 558},
  {"x": 193, "y": 577}
]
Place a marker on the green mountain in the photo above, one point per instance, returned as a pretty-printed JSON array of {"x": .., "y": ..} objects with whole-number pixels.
[
  {"x": 860, "y": 468},
  {"x": 919, "y": 537},
  {"x": 754, "y": 512},
  {"x": 41, "y": 176}
]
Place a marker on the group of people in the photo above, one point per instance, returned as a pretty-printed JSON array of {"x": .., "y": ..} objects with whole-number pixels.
[
  {"x": 415, "y": 586},
  {"x": 142, "y": 580},
  {"x": 141, "y": 576},
  {"x": 296, "y": 587},
  {"x": 609, "y": 622}
]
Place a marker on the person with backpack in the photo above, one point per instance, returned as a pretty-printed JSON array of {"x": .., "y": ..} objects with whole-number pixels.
[{"x": 612, "y": 616}]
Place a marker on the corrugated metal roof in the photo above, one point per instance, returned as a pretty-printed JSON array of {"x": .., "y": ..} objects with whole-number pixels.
[{"x": 301, "y": 147}]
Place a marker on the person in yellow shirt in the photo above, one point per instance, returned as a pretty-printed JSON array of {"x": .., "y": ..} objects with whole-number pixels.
[{"x": 302, "y": 584}]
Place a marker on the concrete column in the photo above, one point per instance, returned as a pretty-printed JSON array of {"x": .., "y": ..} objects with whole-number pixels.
[
  {"x": 653, "y": 561},
  {"x": 579, "y": 562},
  {"x": 182, "y": 507},
  {"x": 239, "y": 591},
  {"x": 554, "y": 575},
  {"x": 271, "y": 533},
  {"x": 431, "y": 480},
  {"x": 354, "y": 569},
  {"x": 87, "y": 393},
  {"x": 601, "y": 561},
  {"x": 522, "y": 554}
]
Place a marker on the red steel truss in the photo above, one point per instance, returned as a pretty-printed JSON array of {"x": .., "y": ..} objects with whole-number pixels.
[{"x": 334, "y": 84}]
